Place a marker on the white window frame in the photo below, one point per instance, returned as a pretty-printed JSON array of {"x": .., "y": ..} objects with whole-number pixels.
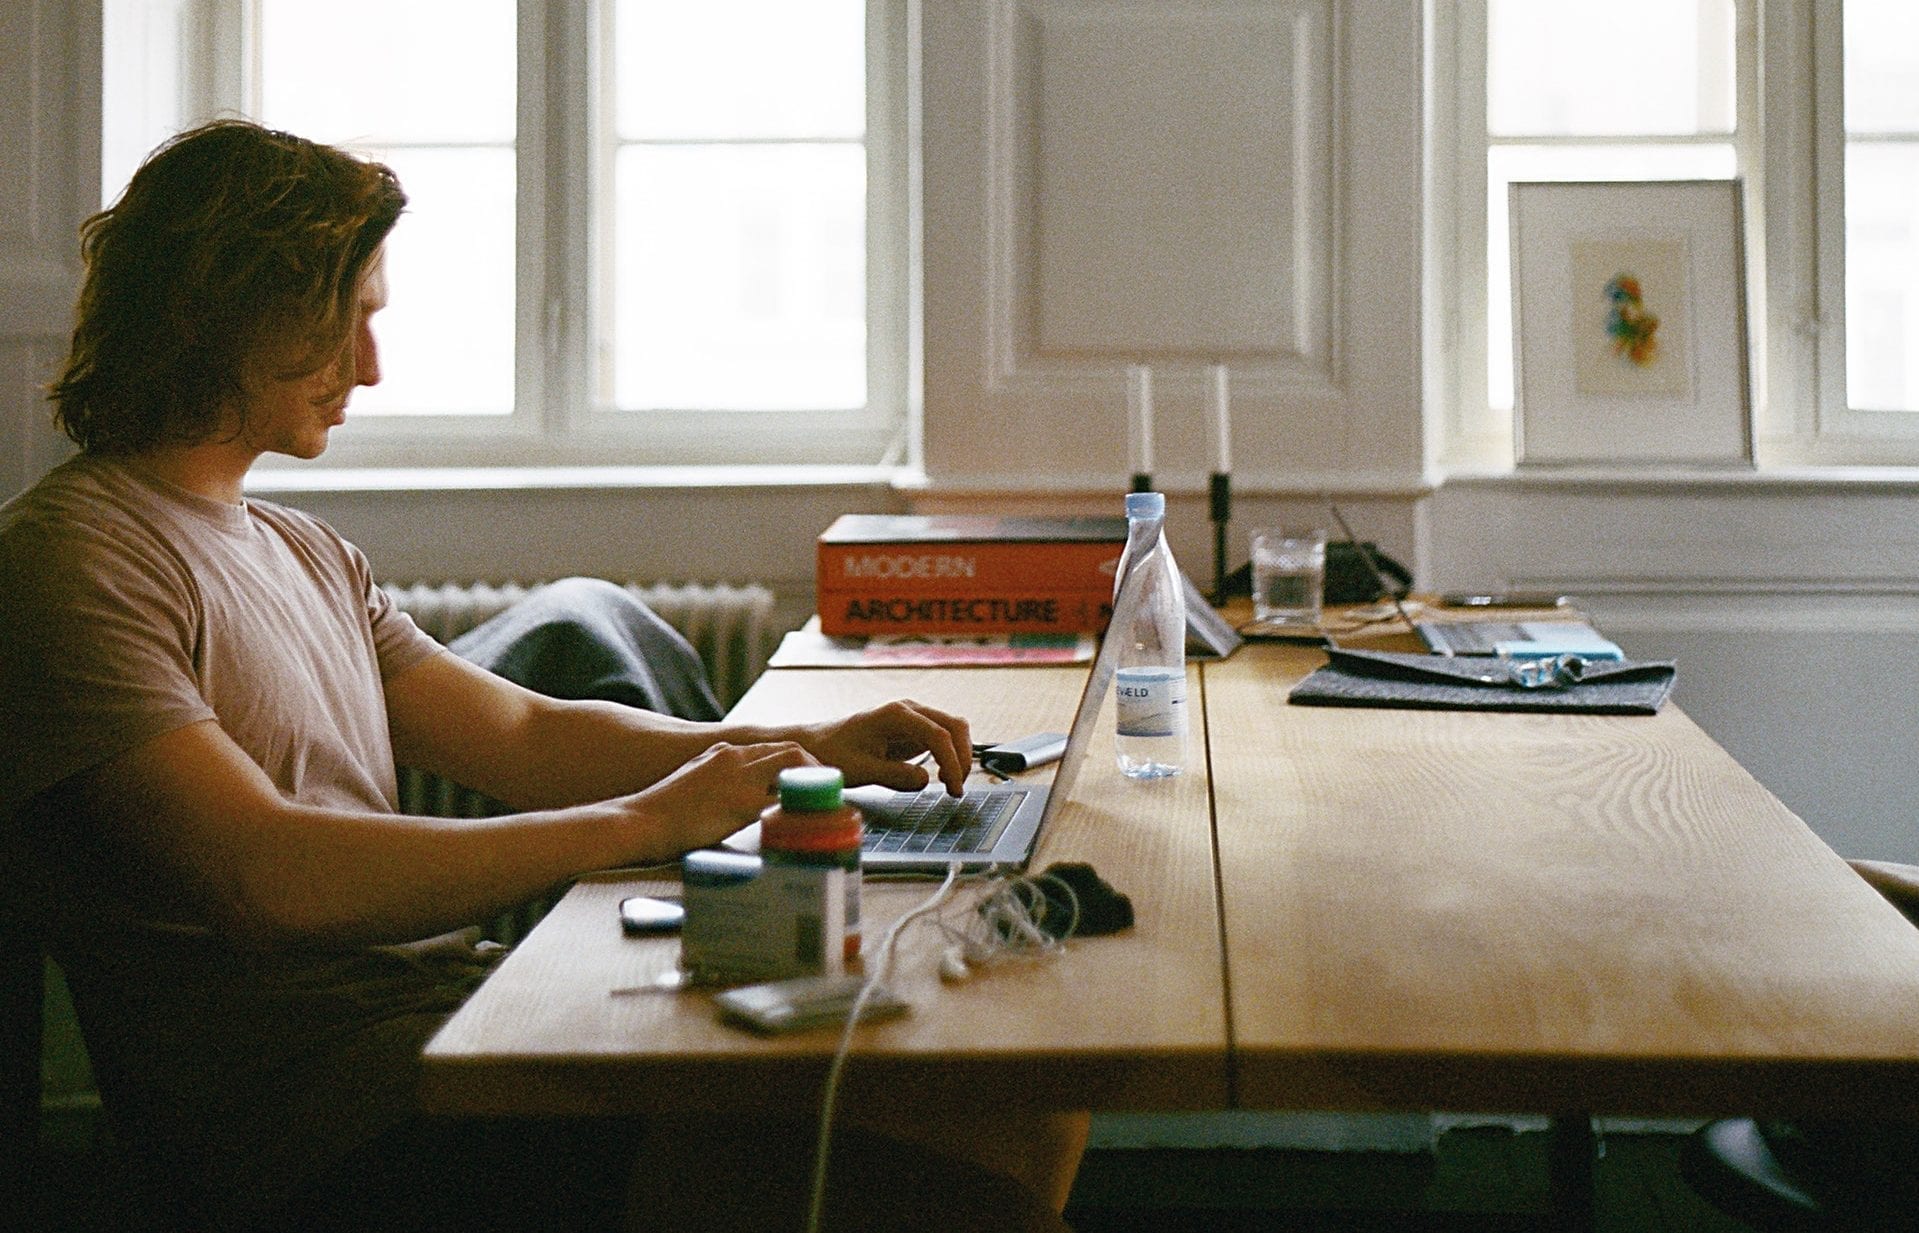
[
  {"x": 1790, "y": 141},
  {"x": 557, "y": 418},
  {"x": 1839, "y": 432}
]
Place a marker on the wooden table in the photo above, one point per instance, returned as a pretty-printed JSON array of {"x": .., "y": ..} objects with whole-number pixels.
[
  {"x": 1409, "y": 910},
  {"x": 1451, "y": 910},
  {"x": 1132, "y": 1021}
]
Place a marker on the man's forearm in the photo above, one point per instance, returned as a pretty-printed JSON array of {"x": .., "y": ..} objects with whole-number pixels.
[
  {"x": 193, "y": 830},
  {"x": 349, "y": 879},
  {"x": 577, "y": 752},
  {"x": 532, "y": 751}
]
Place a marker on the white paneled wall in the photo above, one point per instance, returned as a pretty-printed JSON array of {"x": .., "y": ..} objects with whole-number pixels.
[
  {"x": 1113, "y": 183},
  {"x": 49, "y": 181},
  {"x": 1242, "y": 188}
]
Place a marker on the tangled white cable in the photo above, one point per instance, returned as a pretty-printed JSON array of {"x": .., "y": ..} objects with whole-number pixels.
[{"x": 1013, "y": 918}]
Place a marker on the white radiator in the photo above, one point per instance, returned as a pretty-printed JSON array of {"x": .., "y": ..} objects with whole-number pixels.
[{"x": 731, "y": 627}]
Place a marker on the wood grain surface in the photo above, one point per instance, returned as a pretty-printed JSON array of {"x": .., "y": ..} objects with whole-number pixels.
[
  {"x": 1421, "y": 910},
  {"x": 1537, "y": 912},
  {"x": 1134, "y": 1020}
]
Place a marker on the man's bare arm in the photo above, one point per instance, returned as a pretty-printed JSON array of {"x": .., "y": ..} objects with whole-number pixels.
[
  {"x": 200, "y": 834},
  {"x": 534, "y": 752}
]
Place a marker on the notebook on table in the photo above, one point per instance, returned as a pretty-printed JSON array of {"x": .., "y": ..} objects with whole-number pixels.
[{"x": 1476, "y": 683}]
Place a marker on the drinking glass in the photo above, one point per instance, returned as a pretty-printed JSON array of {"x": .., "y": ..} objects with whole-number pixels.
[{"x": 1289, "y": 576}]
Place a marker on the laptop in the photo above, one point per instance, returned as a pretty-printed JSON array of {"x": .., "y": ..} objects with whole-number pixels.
[
  {"x": 988, "y": 826},
  {"x": 1521, "y": 638}
]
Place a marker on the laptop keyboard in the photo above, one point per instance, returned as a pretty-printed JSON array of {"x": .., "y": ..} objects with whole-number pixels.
[{"x": 932, "y": 821}]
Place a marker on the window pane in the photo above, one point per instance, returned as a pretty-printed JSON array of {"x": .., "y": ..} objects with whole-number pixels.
[
  {"x": 373, "y": 71},
  {"x": 1609, "y": 67},
  {"x": 1505, "y": 164},
  {"x": 428, "y": 88},
  {"x": 740, "y": 277},
  {"x": 446, "y": 335},
  {"x": 1882, "y": 276},
  {"x": 142, "y": 83},
  {"x": 740, "y": 68},
  {"x": 1882, "y": 66}
]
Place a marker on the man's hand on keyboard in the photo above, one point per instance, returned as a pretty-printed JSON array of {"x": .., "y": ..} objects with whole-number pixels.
[{"x": 878, "y": 746}]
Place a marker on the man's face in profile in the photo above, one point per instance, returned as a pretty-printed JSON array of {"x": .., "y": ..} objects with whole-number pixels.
[{"x": 293, "y": 414}]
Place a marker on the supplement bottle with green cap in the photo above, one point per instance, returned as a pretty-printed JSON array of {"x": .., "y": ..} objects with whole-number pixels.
[{"x": 813, "y": 827}]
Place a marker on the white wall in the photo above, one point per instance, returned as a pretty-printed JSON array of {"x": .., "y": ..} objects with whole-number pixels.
[
  {"x": 50, "y": 79},
  {"x": 1105, "y": 182},
  {"x": 1174, "y": 184},
  {"x": 1790, "y": 603}
]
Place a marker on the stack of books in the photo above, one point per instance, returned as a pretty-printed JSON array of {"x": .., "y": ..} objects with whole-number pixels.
[{"x": 967, "y": 574}]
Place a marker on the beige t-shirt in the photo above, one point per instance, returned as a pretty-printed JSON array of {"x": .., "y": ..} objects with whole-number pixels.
[{"x": 130, "y": 608}]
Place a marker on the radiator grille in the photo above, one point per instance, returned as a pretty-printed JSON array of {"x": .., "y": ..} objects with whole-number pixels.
[{"x": 731, "y": 627}]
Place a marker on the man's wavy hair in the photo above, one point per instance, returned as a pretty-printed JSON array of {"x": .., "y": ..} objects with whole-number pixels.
[{"x": 233, "y": 245}]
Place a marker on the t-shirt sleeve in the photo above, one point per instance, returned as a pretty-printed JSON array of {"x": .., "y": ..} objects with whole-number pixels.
[
  {"x": 397, "y": 640},
  {"x": 97, "y": 652}
]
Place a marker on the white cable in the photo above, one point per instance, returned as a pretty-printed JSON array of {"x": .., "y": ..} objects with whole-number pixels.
[
  {"x": 1010, "y": 921},
  {"x": 882, "y": 964}
]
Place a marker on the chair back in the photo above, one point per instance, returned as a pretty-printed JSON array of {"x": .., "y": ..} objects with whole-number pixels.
[{"x": 22, "y": 998}]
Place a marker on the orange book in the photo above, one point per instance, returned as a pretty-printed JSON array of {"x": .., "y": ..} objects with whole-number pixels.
[
  {"x": 951, "y": 574},
  {"x": 855, "y": 613}
]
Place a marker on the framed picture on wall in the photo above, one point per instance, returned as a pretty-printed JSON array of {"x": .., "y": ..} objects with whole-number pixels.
[{"x": 1629, "y": 324}]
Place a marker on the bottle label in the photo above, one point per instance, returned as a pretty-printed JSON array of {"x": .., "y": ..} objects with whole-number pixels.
[{"x": 1152, "y": 701}]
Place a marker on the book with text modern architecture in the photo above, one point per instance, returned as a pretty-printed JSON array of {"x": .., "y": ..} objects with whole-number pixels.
[{"x": 957, "y": 574}]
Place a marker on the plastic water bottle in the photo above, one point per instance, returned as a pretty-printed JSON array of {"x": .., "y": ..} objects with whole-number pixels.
[{"x": 1151, "y": 680}]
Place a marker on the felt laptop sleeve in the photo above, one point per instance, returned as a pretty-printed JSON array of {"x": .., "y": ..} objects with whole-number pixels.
[{"x": 1480, "y": 683}]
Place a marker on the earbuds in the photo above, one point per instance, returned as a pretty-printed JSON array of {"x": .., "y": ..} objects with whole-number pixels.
[
  {"x": 953, "y": 967},
  {"x": 1005, "y": 921}
]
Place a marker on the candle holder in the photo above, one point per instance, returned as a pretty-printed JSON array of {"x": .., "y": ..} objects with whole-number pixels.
[{"x": 1220, "y": 490}]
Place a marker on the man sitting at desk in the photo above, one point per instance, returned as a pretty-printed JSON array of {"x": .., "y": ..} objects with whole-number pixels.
[{"x": 205, "y": 699}]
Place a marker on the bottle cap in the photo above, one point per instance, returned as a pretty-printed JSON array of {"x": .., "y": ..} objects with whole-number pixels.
[
  {"x": 812, "y": 816},
  {"x": 1145, "y": 505},
  {"x": 811, "y": 787}
]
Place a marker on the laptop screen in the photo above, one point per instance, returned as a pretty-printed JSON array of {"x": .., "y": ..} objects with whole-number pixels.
[{"x": 1079, "y": 737}]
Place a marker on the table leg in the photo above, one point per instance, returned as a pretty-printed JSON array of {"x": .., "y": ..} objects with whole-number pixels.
[{"x": 1572, "y": 1152}]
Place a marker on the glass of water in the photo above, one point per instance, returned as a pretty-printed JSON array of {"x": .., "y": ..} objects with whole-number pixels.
[{"x": 1289, "y": 576}]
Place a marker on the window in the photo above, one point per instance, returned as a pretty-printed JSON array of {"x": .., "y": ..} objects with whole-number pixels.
[
  {"x": 1827, "y": 149},
  {"x": 639, "y": 231},
  {"x": 447, "y": 338},
  {"x": 1879, "y": 199}
]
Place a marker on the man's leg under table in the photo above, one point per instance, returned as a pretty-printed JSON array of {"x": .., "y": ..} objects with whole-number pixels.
[{"x": 906, "y": 1170}]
